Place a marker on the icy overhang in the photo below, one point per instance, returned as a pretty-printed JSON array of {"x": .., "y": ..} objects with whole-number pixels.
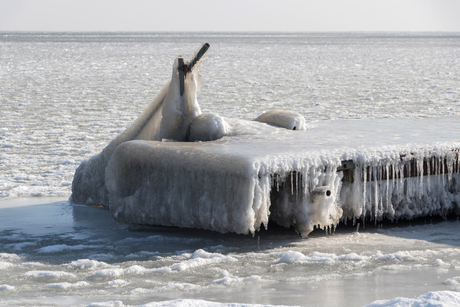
[{"x": 259, "y": 172}]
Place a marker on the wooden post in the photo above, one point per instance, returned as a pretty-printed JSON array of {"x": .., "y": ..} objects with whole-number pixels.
[
  {"x": 198, "y": 55},
  {"x": 184, "y": 69},
  {"x": 182, "y": 73}
]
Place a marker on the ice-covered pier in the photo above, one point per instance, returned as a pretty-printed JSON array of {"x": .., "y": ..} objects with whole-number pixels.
[{"x": 175, "y": 166}]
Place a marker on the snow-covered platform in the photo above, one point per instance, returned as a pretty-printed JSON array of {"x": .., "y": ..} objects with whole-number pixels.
[
  {"x": 238, "y": 182},
  {"x": 238, "y": 174}
]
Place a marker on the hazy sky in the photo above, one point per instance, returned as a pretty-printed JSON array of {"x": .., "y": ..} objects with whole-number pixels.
[{"x": 230, "y": 15}]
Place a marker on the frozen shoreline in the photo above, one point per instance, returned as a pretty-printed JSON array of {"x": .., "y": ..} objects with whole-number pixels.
[{"x": 30, "y": 201}]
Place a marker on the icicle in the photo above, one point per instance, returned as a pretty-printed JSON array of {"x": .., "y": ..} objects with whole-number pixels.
[
  {"x": 297, "y": 184},
  {"x": 458, "y": 162},
  {"x": 419, "y": 168},
  {"x": 380, "y": 187},
  {"x": 401, "y": 177},
  {"x": 364, "y": 191},
  {"x": 443, "y": 170},
  {"x": 387, "y": 168},
  {"x": 437, "y": 167},
  {"x": 304, "y": 183},
  {"x": 428, "y": 172},
  {"x": 409, "y": 171},
  {"x": 450, "y": 166},
  {"x": 376, "y": 193}
]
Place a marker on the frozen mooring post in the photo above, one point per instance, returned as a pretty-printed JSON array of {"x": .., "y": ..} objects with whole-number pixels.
[{"x": 175, "y": 166}]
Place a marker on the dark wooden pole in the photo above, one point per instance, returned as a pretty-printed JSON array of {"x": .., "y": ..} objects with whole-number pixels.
[
  {"x": 184, "y": 69},
  {"x": 182, "y": 73}
]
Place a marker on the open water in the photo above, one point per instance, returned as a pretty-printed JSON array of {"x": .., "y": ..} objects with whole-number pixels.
[{"x": 64, "y": 96}]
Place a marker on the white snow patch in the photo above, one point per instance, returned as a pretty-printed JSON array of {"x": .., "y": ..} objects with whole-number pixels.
[
  {"x": 163, "y": 270},
  {"x": 32, "y": 264},
  {"x": 228, "y": 280},
  {"x": 4, "y": 265},
  {"x": 9, "y": 257},
  {"x": 107, "y": 304},
  {"x": 317, "y": 257},
  {"x": 432, "y": 299},
  {"x": 49, "y": 274},
  {"x": 7, "y": 288},
  {"x": 66, "y": 285},
  {"x": 20, "y": 246},
  {"x": 173, "y": 286},
  {"x": 284, "y": 119},
  {"x": 353, "y": 257},
  {"x": 292, "y": 256},
  {"x": 63, "y": 247},
  {"x": 454, "y": 281},
  {"x": 116, "y": 283},
  {"x": 110, "y": 273},
  {"x": 202, "y": 303},
  {"x": 401, "y": 255},
  {"x": 201, "y": 258},
  {"x": 87, "y": 264}
]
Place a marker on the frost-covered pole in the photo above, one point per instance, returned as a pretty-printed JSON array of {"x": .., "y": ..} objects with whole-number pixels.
[
  {"x": 198, "y": 55},
  {"x": 184, "y": 68},
  {"x": 182, "y": 71}
]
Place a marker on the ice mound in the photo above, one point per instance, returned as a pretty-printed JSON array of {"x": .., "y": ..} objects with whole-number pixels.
[
  {"x": 282, "y": 118},
  {"x": 207, "y": 127},
  {"x": 175, "y": 166},
  {"x": 439, "y": 298}
]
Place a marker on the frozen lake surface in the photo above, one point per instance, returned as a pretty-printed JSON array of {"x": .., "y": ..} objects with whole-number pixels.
[
  {"x": 64, "y": 96},
  {"x": 57, "y": 253}
]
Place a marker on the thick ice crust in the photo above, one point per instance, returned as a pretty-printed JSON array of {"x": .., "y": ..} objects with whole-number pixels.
[{"x": 174, "y": 184}]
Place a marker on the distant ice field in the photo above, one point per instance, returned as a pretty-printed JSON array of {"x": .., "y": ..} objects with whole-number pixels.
[{"x": 64, "y": 96}]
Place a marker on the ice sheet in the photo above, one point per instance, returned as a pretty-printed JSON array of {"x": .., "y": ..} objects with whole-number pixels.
[{"x": 136, "y": 267}]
